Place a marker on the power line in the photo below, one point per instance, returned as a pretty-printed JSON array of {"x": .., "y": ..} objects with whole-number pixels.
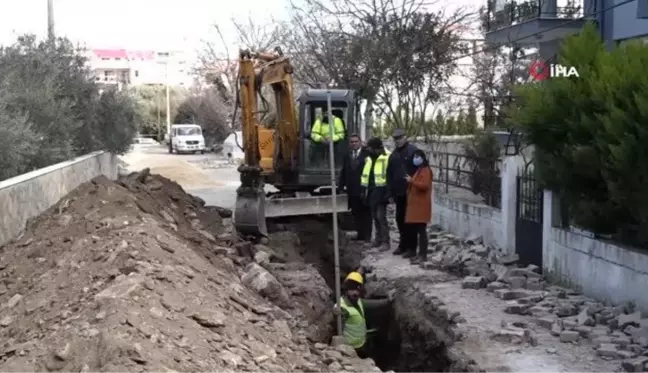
[{"x": 543, "y": 31}]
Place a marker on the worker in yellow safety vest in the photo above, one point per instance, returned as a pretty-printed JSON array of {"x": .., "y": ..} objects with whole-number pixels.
[
  {"x": 321, "y": 136},
  {"x": 375, "y": 190},
  {"x": 353, "y": 310},
  {"x": 321, "y": 132}
]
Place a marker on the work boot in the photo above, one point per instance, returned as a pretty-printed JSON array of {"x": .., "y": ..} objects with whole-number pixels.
[
  {"x": 358, "y": 237},
  {"x": 416, "y": 260},
  {"x": 409, "y": 254},
  {"x": 385, "y": 247},
  {"x": 398, "y": 251}
]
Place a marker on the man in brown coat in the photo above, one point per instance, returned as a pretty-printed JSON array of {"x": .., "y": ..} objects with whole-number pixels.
[{"x": 419, "y": 206}]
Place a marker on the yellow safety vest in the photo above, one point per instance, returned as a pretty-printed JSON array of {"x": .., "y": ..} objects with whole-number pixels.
[
  {"x": 380, "y": 170},
  {"x": 321, "y": 130},
  {"x": 355, "y": 325}
]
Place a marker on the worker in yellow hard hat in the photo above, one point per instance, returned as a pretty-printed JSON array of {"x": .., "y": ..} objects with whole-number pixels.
[{"x": 354, "y": 309}]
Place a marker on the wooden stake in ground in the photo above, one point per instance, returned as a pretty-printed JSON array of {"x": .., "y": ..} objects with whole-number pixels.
[{"x": 336, "y": 245}]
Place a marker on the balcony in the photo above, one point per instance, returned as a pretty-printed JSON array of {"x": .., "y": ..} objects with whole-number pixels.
[
  {"x": 534, "y": 21},
  {"x": 109, "y": 64}
]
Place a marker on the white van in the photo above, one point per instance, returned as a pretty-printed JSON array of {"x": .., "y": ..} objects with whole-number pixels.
[{"x": 186, "y": 138}]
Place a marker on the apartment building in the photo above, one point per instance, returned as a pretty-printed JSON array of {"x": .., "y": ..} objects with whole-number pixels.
[
  {"x": 121, "y": 67},
  {"x": 545, "y": 23}
]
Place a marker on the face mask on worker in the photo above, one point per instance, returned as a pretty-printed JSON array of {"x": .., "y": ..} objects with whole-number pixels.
[{"x": 417, "y": 161}]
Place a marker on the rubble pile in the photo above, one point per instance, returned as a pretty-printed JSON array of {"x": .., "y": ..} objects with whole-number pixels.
[
  {"x": 466, "y": 258},
  {"x": 615, "y": 332},
  {"x": 137, "y": 275}
]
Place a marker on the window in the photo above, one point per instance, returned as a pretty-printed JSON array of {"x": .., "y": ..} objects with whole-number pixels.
[
  {"x": 188, "y": 131},
  {"x": 136, "y": 73},
  {"x": 109, "y": 75},
  {"x": 318, "y": 110}
]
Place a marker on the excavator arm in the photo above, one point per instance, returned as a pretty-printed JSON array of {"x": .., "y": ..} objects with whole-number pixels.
[{"x": 255, "y": 71}]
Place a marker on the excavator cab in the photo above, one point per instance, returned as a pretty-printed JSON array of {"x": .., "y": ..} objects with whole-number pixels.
[{"x": 314, "y": 155}]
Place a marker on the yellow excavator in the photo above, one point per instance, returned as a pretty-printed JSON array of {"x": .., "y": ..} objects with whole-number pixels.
[{"x": 281, "y": 154}]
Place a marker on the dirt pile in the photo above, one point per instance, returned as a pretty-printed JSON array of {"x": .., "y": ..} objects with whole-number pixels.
[{"x": 140, "y": 276}]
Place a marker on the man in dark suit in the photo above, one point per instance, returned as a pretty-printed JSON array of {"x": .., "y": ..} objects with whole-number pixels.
[
  {"x": 401, "y": 166},
  {"x": 350, "y": 182}
]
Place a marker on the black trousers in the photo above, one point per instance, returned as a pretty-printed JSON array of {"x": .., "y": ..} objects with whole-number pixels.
[
  {"x": 419, "y": 237},
  {"x": 361, "y": 217},
  {"x": 405, "y": 239}
]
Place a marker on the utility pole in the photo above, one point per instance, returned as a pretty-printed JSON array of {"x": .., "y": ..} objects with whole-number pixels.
[
  {"x": 168, "y": 100},
  {"x": 50, "y": 19}
]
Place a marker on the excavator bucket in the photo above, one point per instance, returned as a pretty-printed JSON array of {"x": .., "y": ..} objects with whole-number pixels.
[
  {"x": 249, "y": 214},
  {"x": 252, "y": 210},
  {"x": 305, "y": 205}
]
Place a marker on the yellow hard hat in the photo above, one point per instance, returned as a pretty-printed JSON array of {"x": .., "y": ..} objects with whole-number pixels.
[{"x": 355, "y": 276}]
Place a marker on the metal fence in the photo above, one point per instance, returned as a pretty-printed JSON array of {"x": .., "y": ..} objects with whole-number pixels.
[
  {"x": 513, "y": 12},
  {"x": 481, "y": 176}
]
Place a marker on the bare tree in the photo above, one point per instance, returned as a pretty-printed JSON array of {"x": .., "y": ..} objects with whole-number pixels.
[
  {"x": 219, "y": 63},
  {"x": 495, "y": 71},
  {"x": 207, "y": 109},
  {"x": 360, "y": 45},
  {"x": 429, "y": 42}
]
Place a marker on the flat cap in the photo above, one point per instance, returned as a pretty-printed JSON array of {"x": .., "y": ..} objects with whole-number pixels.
[
  {"x": 399, "y": 132},
  {"x": 375, "y": 143}
]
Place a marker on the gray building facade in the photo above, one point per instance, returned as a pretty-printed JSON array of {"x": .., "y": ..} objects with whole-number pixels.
[{"x": 544, "y": 23}]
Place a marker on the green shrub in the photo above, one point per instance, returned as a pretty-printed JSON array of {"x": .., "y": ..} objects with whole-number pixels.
[
  {"x": 51, "y": 110},
  {"x": 590, "y": 134},
  {"x": 482, "y": 156}
]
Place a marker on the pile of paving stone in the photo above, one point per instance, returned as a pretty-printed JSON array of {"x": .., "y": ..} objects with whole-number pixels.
[
  {"x": 616, "y": 332},
  {"x": 466, "y": 257}
]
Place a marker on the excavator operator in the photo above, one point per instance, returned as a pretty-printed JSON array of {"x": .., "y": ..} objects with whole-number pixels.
[
  {"x": 321, "y": 134},
  {"x": 354, "y": 319}
]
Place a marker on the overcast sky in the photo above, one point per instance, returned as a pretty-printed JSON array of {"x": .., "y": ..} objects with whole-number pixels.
[
  {"x": 138, "y": 24},
  {"x": 131, "y": 24}
]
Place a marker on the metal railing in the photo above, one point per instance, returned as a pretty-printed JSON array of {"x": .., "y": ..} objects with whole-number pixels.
[
  {"x": 515, "y": 12},
  {"x": 481, "y": 176}
]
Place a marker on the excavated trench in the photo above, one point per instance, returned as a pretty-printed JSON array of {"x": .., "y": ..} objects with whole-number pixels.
[{"x": 414, "y": 335}]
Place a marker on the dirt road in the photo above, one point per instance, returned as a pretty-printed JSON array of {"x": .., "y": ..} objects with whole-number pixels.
[{"x": 207, "y": 176}]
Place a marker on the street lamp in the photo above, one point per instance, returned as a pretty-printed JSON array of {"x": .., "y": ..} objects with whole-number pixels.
[
  {"x": 50, "y": 19},
  {"x": 168, "y": 93},
  {"x": 168, "y": 99}
]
